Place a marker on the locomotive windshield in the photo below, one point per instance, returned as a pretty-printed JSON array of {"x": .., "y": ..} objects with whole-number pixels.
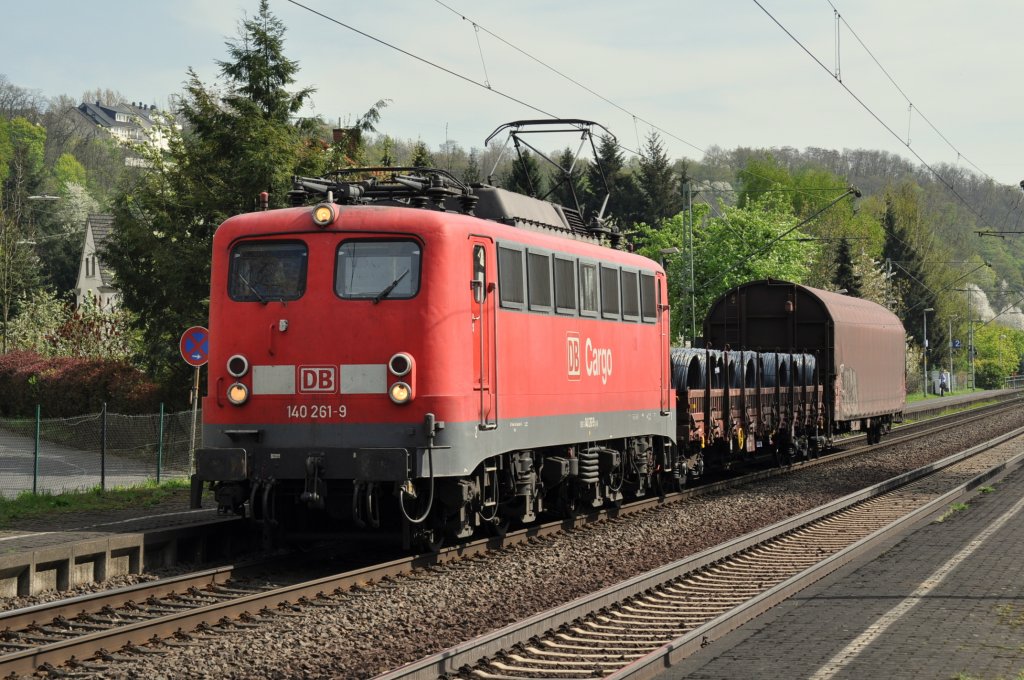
[
  {"x": 267, "y": 270},
  {"x": 377, "y": 269}
]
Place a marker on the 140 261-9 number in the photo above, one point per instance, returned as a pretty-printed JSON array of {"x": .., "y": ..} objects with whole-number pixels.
[{"x": 316, "y": 411}]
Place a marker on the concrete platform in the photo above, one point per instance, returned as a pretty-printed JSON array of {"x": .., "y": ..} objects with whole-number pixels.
[
  {"x": 945, "y": 600},
  {"x": 937, "y": 405},
  {"x": 59, "y": 559}
]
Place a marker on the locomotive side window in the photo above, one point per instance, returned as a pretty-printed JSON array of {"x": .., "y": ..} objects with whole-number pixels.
[
  {"x": 377, "y": 270},
  {"x": 510, "y": 278},
  {"x": 264, "y": 271},
  {"x": 609, "y": 292},
  {"x": 588, "y": 289},
  {"x": 630, "y": 295},
  {"x": 565, "y": 285},
  {"x": 648, "y": 305},
  {"x": 538, "y": 279}
]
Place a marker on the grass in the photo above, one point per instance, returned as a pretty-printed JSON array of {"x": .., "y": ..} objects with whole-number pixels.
[
  {"x": 917, "y": 396},
  {"x": 29, "y": 506},
  {"x": 953, "y": 509},
  {"x": 987, "y": 489}
]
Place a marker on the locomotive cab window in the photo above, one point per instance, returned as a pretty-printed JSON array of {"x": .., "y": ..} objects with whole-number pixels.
[
  {"x": 377, "y": 270},
  {"x": 265, "y": 271}
]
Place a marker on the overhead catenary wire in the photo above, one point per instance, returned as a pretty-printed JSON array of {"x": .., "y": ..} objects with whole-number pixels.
[
  {"x": 871, "y": 112},
  {"x": 423, "y": 60},
  {"x": 899, "y": 89}
]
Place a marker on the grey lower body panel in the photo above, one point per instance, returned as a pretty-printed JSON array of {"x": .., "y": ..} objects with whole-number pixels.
[{"x": 397, "y": 452}]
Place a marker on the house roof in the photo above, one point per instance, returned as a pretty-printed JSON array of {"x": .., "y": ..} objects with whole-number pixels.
[{"x": 101, "y": 226}]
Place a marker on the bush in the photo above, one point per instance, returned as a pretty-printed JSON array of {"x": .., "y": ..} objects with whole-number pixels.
[{"x": 65, "y": 386}]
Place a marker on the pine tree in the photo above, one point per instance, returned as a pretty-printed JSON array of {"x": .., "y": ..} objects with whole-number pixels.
[
  {"x": 525, "y": 176},
  {"x": 903, "y": 255},
  {"x": 845, "y": 275},
  {"x": 471, "y": 174},
  {"x": 421, "y": 156},
  {"x": 234, "y": 146},
  {"x": 658, "y": 183},
  {"x": 601, "y": 176},
  {"x": 568, "y": 188}
]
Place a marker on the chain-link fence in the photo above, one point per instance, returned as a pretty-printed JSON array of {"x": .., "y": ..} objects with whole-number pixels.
[{"x": 54, "y": 455}]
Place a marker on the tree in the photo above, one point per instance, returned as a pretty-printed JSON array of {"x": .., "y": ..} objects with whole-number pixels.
[
  {"x": 18, "y": 270},
  {"x": 903, "y": 255},
  {"x": 68, "y": 170},
  {"x": 658, "y": 183},
  {"x": 569, "y": 187},
  {"x": 235, "y": 146},
  {"x": 471, "y": 173},
  {"x": 846, "y": 275},
  {"x": 421, "y": 156},
  {"x": 525, "y": 176},
  {"x": 25, "y": 167},
  {"x": 609, "y": 179},
  {"x": 387, "y": 155}
]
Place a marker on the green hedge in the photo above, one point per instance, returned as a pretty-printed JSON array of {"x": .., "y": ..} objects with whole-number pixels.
[{"x": 69, "y": 386}]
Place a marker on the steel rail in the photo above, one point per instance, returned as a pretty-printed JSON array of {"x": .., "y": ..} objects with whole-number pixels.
[
  {"x": 457, "y": 659},
  {"x": 87, "y": 645}
]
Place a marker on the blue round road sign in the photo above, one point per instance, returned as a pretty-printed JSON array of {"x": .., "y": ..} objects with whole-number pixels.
[{"x": 195, "y": 345}]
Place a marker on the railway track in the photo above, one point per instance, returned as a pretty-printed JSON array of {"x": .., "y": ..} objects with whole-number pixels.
[
  {"x": 638, "y": 628},
  {"x": 209, "y": 602}
]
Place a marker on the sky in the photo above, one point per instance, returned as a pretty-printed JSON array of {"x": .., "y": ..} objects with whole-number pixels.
[{"x": 941, "y": 75}]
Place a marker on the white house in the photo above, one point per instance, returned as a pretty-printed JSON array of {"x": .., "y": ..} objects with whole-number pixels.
[{"x": 95, "y": 279}]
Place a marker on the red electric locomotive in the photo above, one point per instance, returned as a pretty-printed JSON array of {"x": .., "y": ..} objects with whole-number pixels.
[{"x": 416, "y": 353}]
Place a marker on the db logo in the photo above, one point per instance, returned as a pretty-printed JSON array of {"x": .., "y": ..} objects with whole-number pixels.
[
  {"x": 318, "y": 379},
  {"x": 572, "y": 355}
]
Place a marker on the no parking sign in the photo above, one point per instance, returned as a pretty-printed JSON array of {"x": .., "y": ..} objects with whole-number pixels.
[{"x": 195, "y": 346}]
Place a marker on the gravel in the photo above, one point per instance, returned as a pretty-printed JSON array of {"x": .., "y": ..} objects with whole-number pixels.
[{"x": 376, "y": 628}]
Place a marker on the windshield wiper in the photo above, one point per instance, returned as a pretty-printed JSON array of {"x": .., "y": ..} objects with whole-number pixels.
[
  {"x": 252, "y": 288},
  {"x": 384, "y": 293}
]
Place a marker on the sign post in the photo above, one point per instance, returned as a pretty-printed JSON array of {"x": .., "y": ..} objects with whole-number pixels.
[{"x": 195, "y": 350}]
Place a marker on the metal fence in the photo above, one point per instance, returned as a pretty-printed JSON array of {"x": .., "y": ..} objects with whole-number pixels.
[{"x": 55, "y": 455}]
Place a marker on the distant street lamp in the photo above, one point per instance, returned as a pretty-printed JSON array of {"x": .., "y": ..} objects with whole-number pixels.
[{"x": 924, "y": 317}]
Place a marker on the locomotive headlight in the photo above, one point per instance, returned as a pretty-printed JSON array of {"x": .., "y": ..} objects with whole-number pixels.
[
  {"x": 238, "y": 393},
  {"x": 400, "y": 364},
  {"x": 400, "y": 393},
  {"x": 323, "y": 214},
  {"x": 238, "y": 366}
]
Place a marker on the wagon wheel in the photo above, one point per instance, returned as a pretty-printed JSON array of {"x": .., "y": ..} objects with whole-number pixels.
[{"x": 428, "y": 539}]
